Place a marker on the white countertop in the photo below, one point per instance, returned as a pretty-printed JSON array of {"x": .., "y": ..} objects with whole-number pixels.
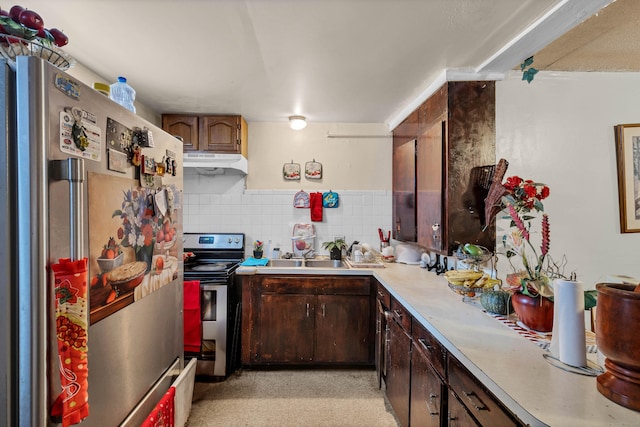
[{"x": 509, "y": 365}]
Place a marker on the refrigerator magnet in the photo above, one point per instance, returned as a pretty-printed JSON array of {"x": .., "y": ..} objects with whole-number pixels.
[
  {"x": 313, "y": 170},
  {"x": 291, "y": 171},
  {"x": 148, "y": 165},
  {"x": 117, "y": 161}
]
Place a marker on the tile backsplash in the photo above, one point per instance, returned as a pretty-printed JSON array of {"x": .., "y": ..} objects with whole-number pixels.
[{"x": 269, "y": 215}]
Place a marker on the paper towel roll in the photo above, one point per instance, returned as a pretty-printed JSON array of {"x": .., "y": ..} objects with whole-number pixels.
[{"x": 568, "y": 341}]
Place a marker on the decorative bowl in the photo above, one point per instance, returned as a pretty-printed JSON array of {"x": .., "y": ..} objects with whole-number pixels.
[
  {"x": 12, "y": 46},
  {"x": 108, "y": 264}
]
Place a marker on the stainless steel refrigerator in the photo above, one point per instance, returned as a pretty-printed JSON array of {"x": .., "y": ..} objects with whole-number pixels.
[{"x": 84, "y": 179}]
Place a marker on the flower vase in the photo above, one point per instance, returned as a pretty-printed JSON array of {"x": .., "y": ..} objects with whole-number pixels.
[
  {"x": 534, "y": 312},
  {"x": 257, "y": 254},
  {"x": 145, "y": 253}
]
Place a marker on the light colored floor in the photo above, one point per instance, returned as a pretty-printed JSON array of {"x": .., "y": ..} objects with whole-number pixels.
[{"x": 306, "y": 398}]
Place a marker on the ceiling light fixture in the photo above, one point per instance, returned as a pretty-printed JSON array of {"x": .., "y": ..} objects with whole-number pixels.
[{"x": 297, "y": 122}]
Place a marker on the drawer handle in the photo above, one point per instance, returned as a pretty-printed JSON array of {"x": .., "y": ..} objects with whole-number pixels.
[
  {"x": 324, "y": 306},
  {"x": 380, "y": 294},
  {"x": 307, "y": 309},
  {"x": 475, "y": 401},
  {"x": 429, "y": 402},
  {"x": 397, "y": 313},
  {"x": 452, "y": 417},
  {"x": 424, "y": 344}
]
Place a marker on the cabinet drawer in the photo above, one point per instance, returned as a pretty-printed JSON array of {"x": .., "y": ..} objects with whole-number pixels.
[
  {"x": 401, "y": 315},
  {"x": 479, "y": 402},
  {"x": 317, "y": 285},
  {"x": 430, "y": 347},
  {"x": 383, "y": 295}
]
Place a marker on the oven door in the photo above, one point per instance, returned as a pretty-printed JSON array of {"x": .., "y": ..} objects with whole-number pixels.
[{"x": 214, "y": 325}]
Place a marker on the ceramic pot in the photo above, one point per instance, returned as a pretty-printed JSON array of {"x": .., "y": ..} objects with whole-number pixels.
[
  {"x": 617, "y": 318},
  {"x": 535, "y": 313},
  {"x": 257, "y": 254}
]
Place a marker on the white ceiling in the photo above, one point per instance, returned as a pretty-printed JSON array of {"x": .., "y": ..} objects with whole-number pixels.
[{"x": 355, "y": 61}]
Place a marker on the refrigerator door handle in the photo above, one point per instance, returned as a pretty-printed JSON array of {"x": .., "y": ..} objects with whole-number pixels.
[{"x": 72, "y": 170}]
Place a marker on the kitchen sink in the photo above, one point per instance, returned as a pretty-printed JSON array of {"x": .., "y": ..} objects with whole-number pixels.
[
  {"x": 317, "y": 263},
  {"x": 325, "y": 263},
  {"x": 286, "y": 263}
]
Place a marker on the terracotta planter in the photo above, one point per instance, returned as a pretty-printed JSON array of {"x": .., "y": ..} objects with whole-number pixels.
[
  {"x": 617, "y": 318},
  {"x": 535, "y": 313}
]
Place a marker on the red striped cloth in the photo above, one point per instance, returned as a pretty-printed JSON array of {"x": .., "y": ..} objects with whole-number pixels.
[{"x": 163, "y": 414}]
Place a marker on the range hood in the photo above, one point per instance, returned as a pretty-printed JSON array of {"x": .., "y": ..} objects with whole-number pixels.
[{"x": 215, "y": 163}]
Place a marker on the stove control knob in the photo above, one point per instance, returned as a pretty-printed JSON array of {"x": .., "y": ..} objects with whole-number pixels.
[{"x": 229, "y": 240}]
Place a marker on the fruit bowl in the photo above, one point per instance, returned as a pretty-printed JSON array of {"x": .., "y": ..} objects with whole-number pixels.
[
  {"x": 468, "y": 291},
  {"x": 12, "y": 46},
  {"x": 483, "y": 257},
  {"x": 164, "y": 245},
  {"x": 108, "y": 264}
]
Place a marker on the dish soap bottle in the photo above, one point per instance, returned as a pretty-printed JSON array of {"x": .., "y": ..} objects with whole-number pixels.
[{"x": 123, "y": 94}]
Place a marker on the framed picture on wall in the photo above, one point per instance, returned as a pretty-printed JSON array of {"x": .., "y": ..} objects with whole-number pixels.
[{"x": 628, "y": 159}]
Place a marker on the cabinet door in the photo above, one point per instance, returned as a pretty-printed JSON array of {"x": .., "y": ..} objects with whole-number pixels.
[
  {"x": 399, "y": 371},
  {"x": 458, "y": 415},
  {"x": 429, "y": 186},
  {"x": 381, "y": 340},
  {"x": 343, "y": 324},
  {"x": 404, "y": 196},
  {"x": 186, "y": 127},
  {"x": 220, "y": 134},
  {"x": 427, "y": 403},
  {"x": 286, "y": 324}
]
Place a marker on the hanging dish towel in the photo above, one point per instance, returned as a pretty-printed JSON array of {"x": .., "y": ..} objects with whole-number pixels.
[
  {"x": 330, "y": 199},
  {"x": 72, "y": 405},
  {"x": 192, "y": 316},
  {"x": 316, "y": 207},
  {"x": 255, "y": 262}
]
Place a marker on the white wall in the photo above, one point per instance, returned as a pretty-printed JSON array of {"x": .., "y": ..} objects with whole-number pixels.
[
  {"x": 348, "y": 163},
  {"x": 358, "y": 169},
  {"x": 559, "y": 130},
  {"x": 89, "y": 77}
]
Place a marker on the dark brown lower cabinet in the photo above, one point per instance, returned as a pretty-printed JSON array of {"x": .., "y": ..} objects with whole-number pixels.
[
  {"x": 479, "y": 402},
  {"x": 458, "y": 415},
  {"x": 428, "y": 391},
  {"x": 291, "y": 341},
  {"x": 293, "y": 320},
  {"x": 383, "y": 300},
  {"x": 399, "y": 370}
]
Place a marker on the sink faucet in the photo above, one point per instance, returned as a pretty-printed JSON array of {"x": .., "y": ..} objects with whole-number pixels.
[{"x": 309, "y": 254}]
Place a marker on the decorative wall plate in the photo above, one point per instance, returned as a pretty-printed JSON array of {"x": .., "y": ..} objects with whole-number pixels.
[
  {"x": 291, "y": 171},
  {"x": 313, "y": 170}
]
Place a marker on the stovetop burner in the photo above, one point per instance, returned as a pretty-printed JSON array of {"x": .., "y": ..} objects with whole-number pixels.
[
  {"x": 215, "y": 255},
  {"x": 219, "y": 266}
]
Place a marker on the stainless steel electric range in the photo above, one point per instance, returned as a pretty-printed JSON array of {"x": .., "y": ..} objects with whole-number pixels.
[{"x": 212, "y": 260}]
